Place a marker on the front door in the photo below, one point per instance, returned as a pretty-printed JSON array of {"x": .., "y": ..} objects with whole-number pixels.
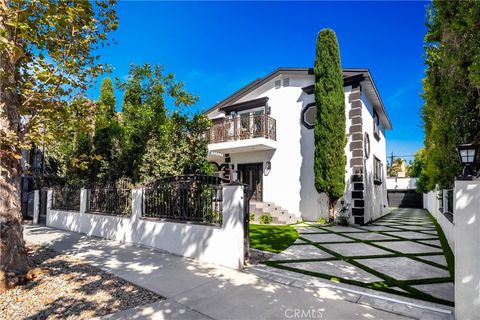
[{"x": 252, "y": 174}]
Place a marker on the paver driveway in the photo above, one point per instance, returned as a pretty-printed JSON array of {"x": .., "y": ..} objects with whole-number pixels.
[{"x": 400, "y": 253}]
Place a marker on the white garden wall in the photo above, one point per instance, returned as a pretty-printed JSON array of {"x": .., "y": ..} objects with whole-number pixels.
[
  {"x": 431, "y": 202},
  {"x": 220, "y": 245},
  {"x": 401, "y": 183}
]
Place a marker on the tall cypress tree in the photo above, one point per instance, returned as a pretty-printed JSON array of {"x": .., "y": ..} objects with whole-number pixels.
[
  {"x": 105, "y": 130},
  {"x": 330, "y": 137},
  {"x": 106, "y": 101}
]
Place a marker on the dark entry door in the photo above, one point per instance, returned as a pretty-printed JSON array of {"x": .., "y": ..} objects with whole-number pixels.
[
  {"x": 405, "y": 199},
  {"x": 252, "y": 174}
]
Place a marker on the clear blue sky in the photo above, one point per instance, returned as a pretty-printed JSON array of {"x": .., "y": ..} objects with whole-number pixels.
[{"x": 217, "y": 47}]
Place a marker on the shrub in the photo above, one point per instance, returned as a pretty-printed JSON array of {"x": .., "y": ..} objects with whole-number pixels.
[
  {"x": 342, "y": 220},
  {"x": 322, "y": 220},
  {"x": 265, "y": 219}
]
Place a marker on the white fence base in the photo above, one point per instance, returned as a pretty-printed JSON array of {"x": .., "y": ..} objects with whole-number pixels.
[
  {"x": 220, "y": 245},
  {"x": 431, "y": 202}
]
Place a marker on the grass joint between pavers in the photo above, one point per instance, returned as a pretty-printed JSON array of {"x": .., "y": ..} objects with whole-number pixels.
[{"x": 388, "y": 283}]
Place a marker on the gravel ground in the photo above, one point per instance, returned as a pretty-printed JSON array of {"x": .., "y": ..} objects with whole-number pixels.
[{"x": 70, "y": 289}]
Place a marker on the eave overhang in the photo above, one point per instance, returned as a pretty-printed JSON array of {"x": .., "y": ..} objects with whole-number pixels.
[{"x": 246, "y": 105}]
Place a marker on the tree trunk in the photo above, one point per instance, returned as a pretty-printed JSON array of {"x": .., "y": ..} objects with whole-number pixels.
[
  {"x": 13, "y": 255},
  {"x": 331, "y": 209}
]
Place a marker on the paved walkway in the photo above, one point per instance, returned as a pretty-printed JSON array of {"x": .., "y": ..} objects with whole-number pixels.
[
  {"x": 196, "y": 290},
  {"x": 399, "y": 254}
]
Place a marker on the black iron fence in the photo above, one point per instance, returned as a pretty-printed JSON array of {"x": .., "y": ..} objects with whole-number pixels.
[
  {"x": 30, "y": 204},
  {"x": 246, "y": 222},
  {"x": 115, "y": 199},
  {"x": 66, "y": 199},
  {"x": 187, "y": 198},
  {"x": 449, "y": 198}
]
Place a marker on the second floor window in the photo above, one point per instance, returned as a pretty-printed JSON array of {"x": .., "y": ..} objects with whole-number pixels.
[
  {"x": 377, "y": 171},
  {"x": 376, "y": 125}
]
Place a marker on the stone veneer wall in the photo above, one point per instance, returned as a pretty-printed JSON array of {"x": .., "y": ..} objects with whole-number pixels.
[{"x": 357, "y": 161}]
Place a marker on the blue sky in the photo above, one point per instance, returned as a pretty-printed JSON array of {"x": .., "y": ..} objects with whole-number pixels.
[{"x": 217, "y": 47}]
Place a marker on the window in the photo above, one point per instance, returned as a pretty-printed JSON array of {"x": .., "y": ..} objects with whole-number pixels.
[
  {"x": 376, "y": 125},
  {"x": 367, "y": 145},
  {"x": 309, "y": 116},
  {"x": 286, "y": 82},
  {"x": 278, "y": 84},
  {"x": 377, "y": 171}
]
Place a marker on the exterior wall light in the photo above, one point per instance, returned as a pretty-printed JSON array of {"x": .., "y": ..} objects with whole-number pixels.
[
  {"x": 468, "y": 154},
  {"x": 268, "y": 165}
]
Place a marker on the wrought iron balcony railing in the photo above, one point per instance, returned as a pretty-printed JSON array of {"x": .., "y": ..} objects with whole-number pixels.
[{"x": 244, "y": 127}]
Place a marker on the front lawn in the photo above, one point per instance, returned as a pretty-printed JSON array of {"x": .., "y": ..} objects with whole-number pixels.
[{"x": 272, "y": 238}]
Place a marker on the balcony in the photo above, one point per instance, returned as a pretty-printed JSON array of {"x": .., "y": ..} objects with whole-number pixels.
[{"x": 245, "y": 132}]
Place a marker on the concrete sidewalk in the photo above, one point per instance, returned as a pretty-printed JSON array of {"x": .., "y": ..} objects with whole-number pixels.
[{"x": 196, "y": 290}]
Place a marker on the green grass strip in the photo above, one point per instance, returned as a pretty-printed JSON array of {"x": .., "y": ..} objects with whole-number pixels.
[
  {"x": 272, "y": 238},
  {"x": 449, "y": 256}
]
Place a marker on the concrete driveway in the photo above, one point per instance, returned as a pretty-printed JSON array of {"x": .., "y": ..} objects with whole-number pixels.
[{"x": 399, "y": 256}]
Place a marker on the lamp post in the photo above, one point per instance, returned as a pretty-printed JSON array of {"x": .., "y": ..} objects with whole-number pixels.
[{"x": 468, "y": 154}]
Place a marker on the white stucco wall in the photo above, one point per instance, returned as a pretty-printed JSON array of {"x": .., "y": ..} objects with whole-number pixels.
[
  {"x": 220, "y": 245},
  {"x": 467, "y": 249},
  {"x": 376, "y": 203},
  {"x": 290, "y": 182},
  {"x": 400, "y": 183}
]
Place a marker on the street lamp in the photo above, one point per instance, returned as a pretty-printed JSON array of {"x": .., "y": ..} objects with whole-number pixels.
[{"x": 468, "y": 157}]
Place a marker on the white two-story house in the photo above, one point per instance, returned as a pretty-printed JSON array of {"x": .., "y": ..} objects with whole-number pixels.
[{"x": 264, "y": 132}]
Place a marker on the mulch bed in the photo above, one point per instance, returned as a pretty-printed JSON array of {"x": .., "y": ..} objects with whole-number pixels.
[{"x": 70, "y": 288}]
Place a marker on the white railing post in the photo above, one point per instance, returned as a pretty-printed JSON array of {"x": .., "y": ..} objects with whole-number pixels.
[
  {"x": 234, "y": 219},
  {"x": 49, "y": 205},
  {"x": 36, "y": 206},
  {"x": 83, "y": 200},
  {"x": 467, "y": 249},
  {"x": 137, "y": 203}
]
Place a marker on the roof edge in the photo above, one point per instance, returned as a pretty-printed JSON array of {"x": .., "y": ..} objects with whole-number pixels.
[{"x": 309, "y": 71}]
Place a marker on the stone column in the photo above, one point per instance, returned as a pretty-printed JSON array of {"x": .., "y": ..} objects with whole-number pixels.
[{"x": 356, "y": 147}]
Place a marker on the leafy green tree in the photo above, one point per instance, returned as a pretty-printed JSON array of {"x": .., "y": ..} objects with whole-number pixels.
[
  {"x": 149, "y": 131},
  {"x": 106, "y": 102},
  {"x": 196, "y": 160},
  {"x": 451, "y": 112},
  {"x": 46, "y": 58},
  {"x": 418, "y": 164},
  {"x": 107, "y": 131},
  {"x": 398, "y": 165},
  {"x": 72, "y": 153},
  {"x": 418, "y": 169},
  {"x": 329, "y": 131}
]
